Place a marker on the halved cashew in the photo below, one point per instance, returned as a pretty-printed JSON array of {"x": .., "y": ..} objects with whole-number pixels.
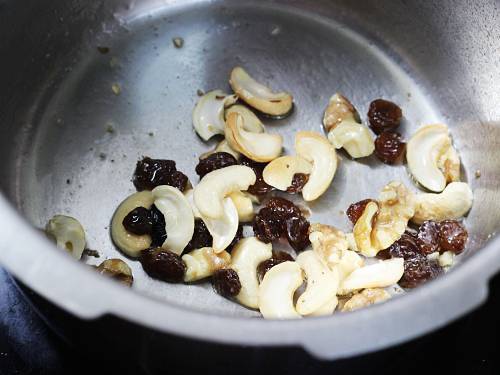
[
  {"x": 432, "y": 160},
  {"x": 215, "y": 186},
  {"x": 222, "y": 146},
  {"x": 68, "y": 234},
  {"x": 244, "y": 206},
  {"x": 316, "y": 149},
  {"x": 189, "y": 196},
  {"x": 208, "y": 114},
  {"x": 322, "y": 283},
  {"x": 277, "y": 289},
  {"x": 259, "y": 96},
  {"x": 279, "y": 173},
  {"x": 261, "y": 147},
  {"x": 366, "y": 298},
  {"x": 327, "y": 309},
  {"x": 116, "y": 269},
  {"x": 223, "y": 229},
  {"x": 201, "y": 263},
  {"x": 131, "y": 244},
  {"x": 245, "y": 257},
  {"x": 378, "y": 275},
  {"x": 342, "y": 123},
  {"x": 251, "y": 122},
  {"x": 452, "y": 203}
]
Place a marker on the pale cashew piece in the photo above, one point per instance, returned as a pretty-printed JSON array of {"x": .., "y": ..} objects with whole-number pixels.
[
  {"x": 244, "y": 206},
  {"x": 452, "y": 203},
  {"x": 432, "y": 160},
  {"x": 259, "y": 96},
  {"x": 245, "y": 257},
  {"x": 366, "y": 298},
  {"x": 117, "y": 269},
  {"x": 131, "y": 244},
  {"x": 378, "y": 275},
  {"x": 446, "y": 259},
  {"x": 251, "y": 122},
  {"x": 327, "y": 309},
  {"x": 322, "y": 283},
  {"x": 279, "y": 173},
  {"x": 222, "y": 146},
  {"x": 68, "y": 234},
  {"x": 277, "y": 289},
  {"x": 202, "y": 263},
  {"x": 317, "y": 150},
  {"x": 208, "y": 114},
  {"x": 223, "y": 230},
  {"x": 189, "y": 196}
]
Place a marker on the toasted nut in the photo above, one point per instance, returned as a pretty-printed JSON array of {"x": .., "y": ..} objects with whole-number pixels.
[
  {"x": 208, "y": 114},
  {"x": 327, "y": 309},
  {"x": 250, "y": 120},
  {"x": 201, "y": 263},
  {"x": 378, "y": 275},
  {"x": 363, "y": 229},
  {"x": 222, "y": 146},
  {"x": 366, "y": 298},
  {"x": 328, "y": 242},
  {"x": 258, "y": 95},
  {"x": 245, "y": 257},
  {"x": 432, "y": 160},
  {"x": 244, "y": 206},
  {"x": 261, "y": 147},
  {"x": 446, "y": 259},
  {"x": 216, "y": 185},
  {"x": 322, "y": 283},
  {"x": 68, "y": 234},
  {"x": 452, "y": 203},
  {"x": 223, "y": 230},
  {"x": 277, "y": 289},
  {"x": 118, "y": 270},
  {"x": 339, "y": 109},
  {"x": 131, "y": 244},
  {"x": 317, "y": 150},
  {"x": 279, "y": 173}
]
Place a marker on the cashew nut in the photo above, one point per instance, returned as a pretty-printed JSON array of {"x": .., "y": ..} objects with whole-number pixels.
[
  {"x": 251, "y": 122},
  {"x": 327, "y": 309},
  {"x": 279, "y": 173},
  {"x": 366, "y": 298},
  {"x": 223, "y": 229},
  {"x": 452, "y": 203},
  {"x": 116, "y": 269},
  {"x": 277, "y": 289},
  {"x": 68, "y": 234},
  {"x": 201, "y": 263},
  {"x": 446, "y": 259},
  {"x": 222, "y": 146},
  {"x": 244, "y": 206},
  {"x": 245, "y": 257},
  {"x": 378, "y": 275},
  {"x": 208, "y": 114}
]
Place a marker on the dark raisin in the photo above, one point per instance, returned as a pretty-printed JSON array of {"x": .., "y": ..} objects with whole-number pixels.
[
  {"x": 150, "y": 173},
  {"x": 201, "y": 237},
  {"x": 260, "y": 187},
  {"x": 355, "y": 210},
  {"x": 282, "y": 256},
  {"x": 267, "y": 226},
  {"x": 138, "y": 221},
  {"x": 297, "y": 232},
  {"x": 428, "y": 237},
  {"x": 163, "y": 265},
  {"x": 178, "y": 180},
  {"x": 384, "y": 254},
  {"x": 452, "y": 236},
  {"x": 215, "y": 161},
  {"x": 298, "y": 182},
  {"x": 418, "y": 270},
  {"x": 406, "y": 247},
  {"x": 236, "y": 239},
  {"x": 158, "y": 231},
  {"x": 384, "y": 115},
  {"x": 390, "y": 147},
  {"x": 283, "y": 207},
  {"x": 226, "y": 282},
  {"x": 278, "y": 257}
]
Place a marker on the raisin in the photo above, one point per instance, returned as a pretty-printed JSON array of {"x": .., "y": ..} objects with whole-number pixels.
[
  {"x": 178, "y": 180},
  {"x": 215, "y": 161},
  {"x": 236, "y": 239},
  {"x": 452, "y": 236},
  {"x": 150, "y": 173},
  {"x": 267, "y": 226},
  {"x": 201, "y": 237},
  {"x": 390, "y": 147},
  {"x": 226, "y": 282},
  {"x": 282, "y": 256},
  {"x": 418, "y": 270},
  {"x": 406, "y": 247},
  {"x": 283, "y": 207},
  {"x": 158, "y": 231},
  {"x": 355, "y": 210},
  {"x": 297, "y": 232},
  {"x": 428, "y": 237},
  {"x": 163, "y": 265},
  {"x": 384, "y": 254},
  {"x": 260, "y": 187},
  {"x": 298, "y": 182},
  {"x": 384, "y": 115},
  {"x": 278, "y": 257},
  {"x": 138, "y": 221}
]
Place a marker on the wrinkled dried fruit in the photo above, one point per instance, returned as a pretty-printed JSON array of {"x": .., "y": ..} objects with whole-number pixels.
[
  {"x": 267, "y": 226},
  {"x": 201, "y": 237},
  {"x": 297, "y": 232},
  {"x": 355, "y": 210},
  {"x": 428, "y": 237},
  {"x": 390, "y": 147},
  {"x": 163, "y": 265},
  {"x": 138, "y": 221},
  {"x": 226, "y": 282},
  {"x": 215, "y": 161},
  {"x": 283, "y": 207},
  {"x": 452, "y": 236},
  {"x": 384, "y": 115},
  {"x": 278, "y": 257},
  {"x": 158, "y": 231},
  {"x": 150, "y": 173},
  {"x": 298, "y": 182},
  {"x": 260, "y": 187}
]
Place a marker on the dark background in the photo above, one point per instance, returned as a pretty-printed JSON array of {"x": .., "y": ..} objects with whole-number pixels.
[{"x": 27, "y": 346}]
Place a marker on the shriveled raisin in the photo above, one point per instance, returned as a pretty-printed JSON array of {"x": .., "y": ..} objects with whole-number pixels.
[
  {"x": 178, "y": 180},
  {"x": 384, "y": 254},
  {"x": 428, "y": 237},
  {"x": 283, "y": 207},
  {"x": 406, "y": 247},
  {"x": 215, "y": 161},
  {"x": 355, "y": 210},
  {"x": 390, "y": 147},
  {"x": 267, "y": 226},
  {"x": 384, "y": 115},
  {"x": 158, "y": 231},
  {"x": 282, "y": 256},
  {"x": 452, "y": 236},
  {"x": 201, "y": 236},
  {"x": 297, "y": 232},
  {"x": 138, "y": 221},
  {"x": 260, "y": 187},
  {"x": 163, "y": 265},
  {"x": 150, "y": 173},
  {"x": 418, "y": 270},
  {"x": 226, "y": 282},
  {"x": 298, "y": 182},
  {"x": 278, "y": 257}
]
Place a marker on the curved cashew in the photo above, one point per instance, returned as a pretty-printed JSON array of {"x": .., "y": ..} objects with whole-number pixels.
[
  {"x": 322, "y": 283},
  {"x": 378, "y": 275},
  {"x": 201, "y": 263},
  {"x": 317, "y": 150},
  {"x": 245, "y": 257},
  {"x": 68, "y": 234},
  {"x": 277, "y": 289},
  {"x": 251, "y": 122},
  {"x": 327, "y": 309},
  {"x": 222, "y": 146},
  {"x": 366, "y": 298},
  {"x": 223, "y": 229},
  {"x": 179, "y": 218},
  {"x": 432, "y": 160},
  {"x": 189, "y": 196},
  {"x": 244, "y": 206},
  {"x": 208, "y": 114},
  {"x": 258, "y": 95},
  {"x": 279, "y": 172},
  {"x": 131, "y": 244},
  {"x": 116, "y": 269},
  {"x": 452, "y": 203}
]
